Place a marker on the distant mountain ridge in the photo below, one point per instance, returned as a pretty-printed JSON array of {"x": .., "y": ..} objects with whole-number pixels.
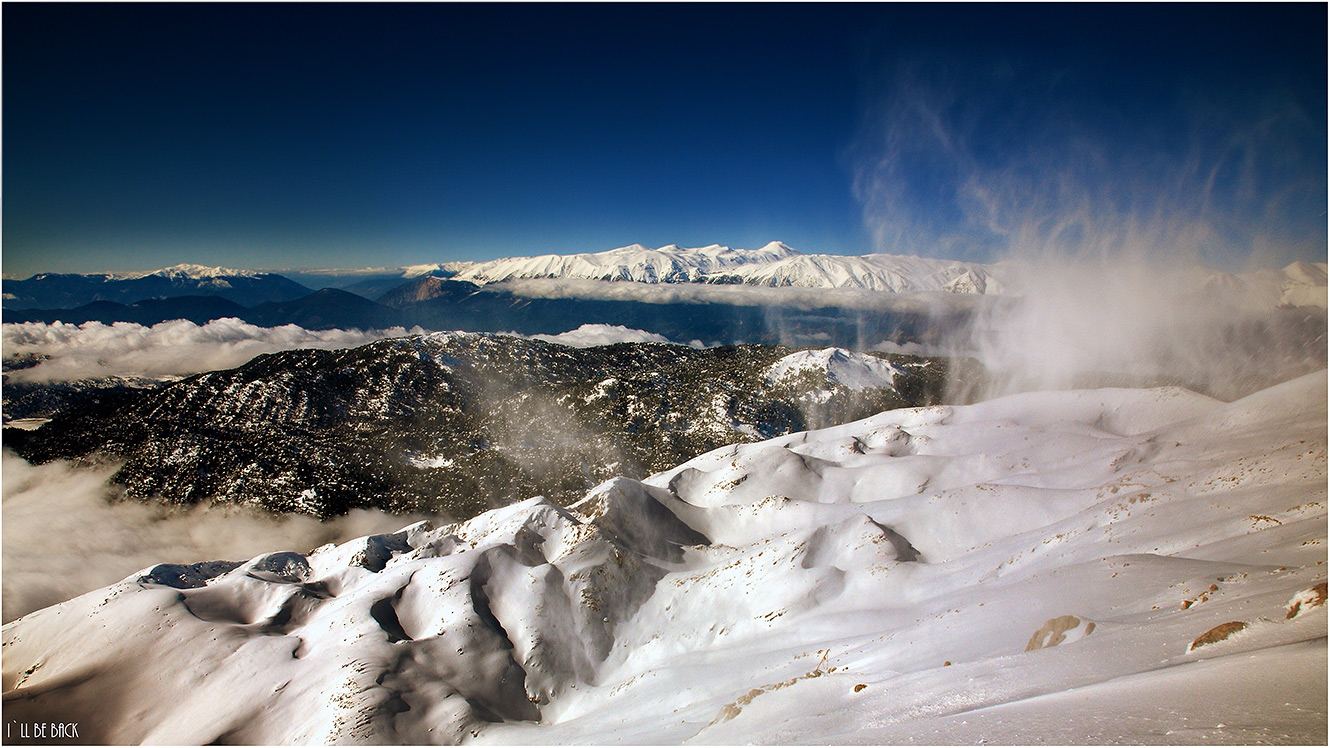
[
  {"x": 69, "y": 290},
  {"x": 668, "y": 264},
  {"x": 775, "y": 265}
]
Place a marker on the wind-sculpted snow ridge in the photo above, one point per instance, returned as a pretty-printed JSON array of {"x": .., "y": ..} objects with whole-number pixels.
[
  {"x": 836, "y": 366},
  {"x": 1035, "y": 568}
]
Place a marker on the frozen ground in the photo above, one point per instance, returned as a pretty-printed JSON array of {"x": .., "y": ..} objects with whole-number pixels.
[{"x": 1033, "y": 569}]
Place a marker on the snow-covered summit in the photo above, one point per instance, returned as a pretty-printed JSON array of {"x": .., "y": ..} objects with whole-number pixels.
[
  {"x": 434, "y": 268},
  {"x": 668, "y": 264},
  {"x": 776, "y": 265},
  {"x": 876, "y": 272},
  {"x": 188, "y": 271},
  {"x": 836, "y": 366}
]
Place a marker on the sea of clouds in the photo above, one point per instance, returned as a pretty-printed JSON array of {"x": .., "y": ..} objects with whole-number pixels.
[
  {"x": 177, "y": 348},
  {"x": 68, "y": 531}
]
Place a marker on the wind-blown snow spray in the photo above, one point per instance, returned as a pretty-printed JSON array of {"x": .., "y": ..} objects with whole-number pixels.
[
  {"x": 1086, "y": 323},
  {"x": 1103, "y": 230}
]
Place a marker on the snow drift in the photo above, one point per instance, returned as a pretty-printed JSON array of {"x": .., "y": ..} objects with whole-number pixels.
[
  {"x": 836, "y": 366},
  {"x": 878, "y": 582}
]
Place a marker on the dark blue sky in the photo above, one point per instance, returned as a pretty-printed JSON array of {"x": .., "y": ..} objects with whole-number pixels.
[{"x": 347, "y": 135}]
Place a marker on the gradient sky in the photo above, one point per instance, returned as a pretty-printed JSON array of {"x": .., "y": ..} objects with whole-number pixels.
[{"x": 349, "y": 135}]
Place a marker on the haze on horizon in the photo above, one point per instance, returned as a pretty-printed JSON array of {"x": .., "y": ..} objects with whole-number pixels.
[{"x": 353, "y": 136}]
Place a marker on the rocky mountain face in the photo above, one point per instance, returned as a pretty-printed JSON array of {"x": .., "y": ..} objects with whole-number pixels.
[{"x": 452, "y": 422}]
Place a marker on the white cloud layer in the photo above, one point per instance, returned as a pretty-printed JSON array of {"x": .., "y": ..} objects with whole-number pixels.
[
  {"x": 592, "y": 335},
  {"x": 738, "y": 295},
  {"x": 66, "y": 533},
  {"x": 168, "y": 349}
]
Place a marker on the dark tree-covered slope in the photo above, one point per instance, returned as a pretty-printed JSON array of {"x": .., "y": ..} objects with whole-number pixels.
[{"x": 456, "y": 423}]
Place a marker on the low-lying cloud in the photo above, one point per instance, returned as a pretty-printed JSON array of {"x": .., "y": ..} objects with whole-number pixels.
[
  {"x": 592, "y": 335},
  {"x": 736, "y": 295},
  {"x": 94, "y": 350},
  {"x": 66, "y": 531}
]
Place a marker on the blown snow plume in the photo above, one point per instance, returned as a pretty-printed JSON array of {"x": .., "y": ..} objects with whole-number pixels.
[
  {"x": 1104, "y": 228},
  {"x": 1039, "y": 566},
  {"x": 168, "y": 349},
  {"x": 1091, "y": 323}
]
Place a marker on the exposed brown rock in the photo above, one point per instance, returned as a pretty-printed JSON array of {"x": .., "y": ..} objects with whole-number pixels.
[
  {"x": 1218, "y": 634},
  {"x": 1053, "y": 632},
  {"x": 1312, "y": 597}
]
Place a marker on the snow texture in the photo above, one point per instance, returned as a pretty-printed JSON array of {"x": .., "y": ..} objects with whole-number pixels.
[
  {"x": 876, "y": 582},
  {"x": 836, "y": 366}
]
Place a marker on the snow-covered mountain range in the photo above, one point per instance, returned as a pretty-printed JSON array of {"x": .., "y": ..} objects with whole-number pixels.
[
  {"x": 774, "y": 265},
  {"x": 668, "y": 264},
  {"x": 193, "y": 272},
  {"x": 1143, "y": 566}
]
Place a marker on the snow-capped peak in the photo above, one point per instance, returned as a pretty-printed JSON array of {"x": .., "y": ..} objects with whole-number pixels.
[
  {"x": 837, "y": 366},
  {"x": 196, "y": 272},
  {"x": 434, "y": 268},
  {"x": 635, "y": 262},
  {"x": 778, "y": 247}
]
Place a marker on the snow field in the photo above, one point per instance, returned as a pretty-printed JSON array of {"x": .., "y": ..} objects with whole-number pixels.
[{"x": 877, "y": 582}]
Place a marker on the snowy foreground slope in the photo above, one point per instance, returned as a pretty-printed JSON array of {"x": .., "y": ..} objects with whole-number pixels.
[{"x": 1031, "y": 569}]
